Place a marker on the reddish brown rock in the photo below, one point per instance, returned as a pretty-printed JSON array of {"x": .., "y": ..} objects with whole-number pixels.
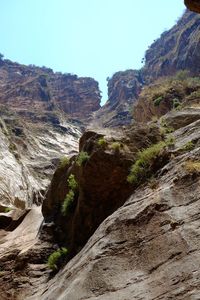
[
  {"x": 147, "y": 249},
  {"x": 176, "y": 49},
  {"x": 29, "y": 89},
  {"x": 193, "y": 5},
  {"x": 102, "y": 185},
  {"x": 123, "y": 90}
]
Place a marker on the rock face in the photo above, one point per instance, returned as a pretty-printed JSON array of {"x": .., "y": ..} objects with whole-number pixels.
[
  {"x": 102, "y": 185},
  {"x": 176, "y": 49},
  {"x": 29, "y": 89},
  {"x": 149, "y": 247},
  {"x": 22, "y": 256},
  {"x": 123, "y": 90},
  {"x": 193, "y": 5},
  {"x": 41, "y": 118},
  {"x": 165, "y": 94},
  {"x": 125, "y": 240},
  {"x": 30, "y": 152}
]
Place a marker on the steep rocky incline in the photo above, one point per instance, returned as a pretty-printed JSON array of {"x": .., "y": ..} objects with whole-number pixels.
[
  {"x": 193, "y": 5},
  {"x": 166, "y": 94},
  {"x": 29, "y": 89},
  {"x": 123, "y": 90},
  {"x": 176, "y": 49},
  {"x": 148, "y": 248},
  {"x": 42, "y": 115},
  {"x": 29, "y": 155}
]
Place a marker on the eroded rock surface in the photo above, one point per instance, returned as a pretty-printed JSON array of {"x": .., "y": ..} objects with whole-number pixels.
[
  {"x": 28, "y": 89},
  {"x": 102, "y": 185},
  {"x": 29, "y": 154},
  {"x": 176, "y": 49},
  {"x": 149, "y": 248},
  {"x": 123, "y": 90},
  {"x": 193, "y": 5}
]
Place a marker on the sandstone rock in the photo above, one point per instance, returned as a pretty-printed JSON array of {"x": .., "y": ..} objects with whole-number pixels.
[
  {"x": 22, "y": 257},
  {"x": 193, "y": 5},
  {"x": 176, "y": 49},
  {"x": 28, "y": 89},
  {"x": 167, "y": 94},
  {"x": 102, "y": 185},
  {"x": 178, "y": 119},
  {"x": 29, "y": 154},
  {"x": 123, "y": 90},
  {"x": 147, "y": 249}
]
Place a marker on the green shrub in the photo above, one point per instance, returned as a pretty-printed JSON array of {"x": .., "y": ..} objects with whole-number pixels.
[
  {"x": 82, "y": 158},
  {"x": 69, "y": 198},
  {"x": 102, "y": 142},
  {"x": 188, "y": 146},
  {"x": 72, "y": 183},
  {"x": 141, "y": 168},
  {"x": 116, "y": 146},
  {"x": 67, "y": 204},
  {"x": 192, "y": 167},
  {"x": 182, "y": 75},
  {"x": 64, "y": 161},
  {"x": 7, "y": 209},
  {"x": 56, "y": 257},
  {"x": 157, "y": 101},
  {"x": 176, "y": 103},
  {"x": 170, "y": 141}
]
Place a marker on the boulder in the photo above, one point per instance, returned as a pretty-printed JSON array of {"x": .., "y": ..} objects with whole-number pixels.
[{"x": 193, "y": 5}]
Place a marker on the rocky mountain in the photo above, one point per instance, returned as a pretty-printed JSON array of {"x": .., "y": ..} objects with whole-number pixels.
[
  {"x": 193, "y": 5},
  {"x": 30, "y": 89},
  {"x": 175, "y": 50},
  {"x": 120, "y": 218},
  {"x": 42, "y": 115},
  {"x": 123, "y": 90},
  {"x": 124, "y": 239}
]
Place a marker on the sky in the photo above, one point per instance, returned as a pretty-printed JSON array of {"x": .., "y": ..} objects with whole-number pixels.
[{"x": 92, "y": 38}]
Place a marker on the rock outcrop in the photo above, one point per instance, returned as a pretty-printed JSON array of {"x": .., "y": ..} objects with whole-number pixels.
[
  {"x": 193, "y": 5},
  {"x": 30, "y": 152},
  {"x": 102, "y": 184},
  {"x": 166, "y": 94},
  {"x": 42, "y": 115},
  {"x": 28, "y": 89},
  {"x": 126, "y": 238},
  {"x": 123, "y": 90},
  {"x": 149, "y": 247},
  {"x": 176, "y": 49}
]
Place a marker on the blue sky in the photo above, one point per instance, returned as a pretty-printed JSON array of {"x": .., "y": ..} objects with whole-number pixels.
[{"x": 93, "y": 38}]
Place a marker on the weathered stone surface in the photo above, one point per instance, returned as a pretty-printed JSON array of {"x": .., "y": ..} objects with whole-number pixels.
[
  {"x": 182, "y": 118},
  {"x": 123, "y": 90},
  {"x": 147, "y": 249},
  {"x": 29, "y": 154},
  {"x": 193, "y": 5},
  {"x": 168, "y": 94},
  {"x": 29, "y": 89},
  {"x": 176, "y": 49},
  {"x": 102, "y": 185},
  {"x": 22, "y": 256}
]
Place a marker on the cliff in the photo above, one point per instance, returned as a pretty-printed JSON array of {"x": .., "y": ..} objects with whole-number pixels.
[
  {"x": 148, "y": 228},
  {"x": 176, "y": 49},
  {"x": 42, "y": 115},
  {"x": 30, "y": 89},
  {"x": 193, "y": 5},
  {"x": 123, "y": 90},
  {"x": 120, "y": 218}
]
